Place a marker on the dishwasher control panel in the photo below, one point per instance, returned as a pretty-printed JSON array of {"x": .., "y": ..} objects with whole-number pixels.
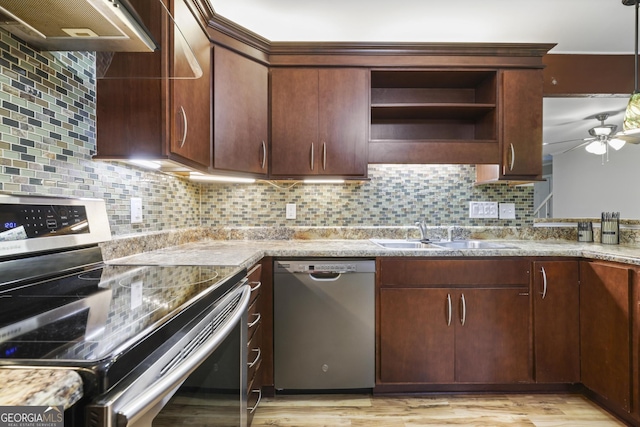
[{"x": 325, "y": 266}]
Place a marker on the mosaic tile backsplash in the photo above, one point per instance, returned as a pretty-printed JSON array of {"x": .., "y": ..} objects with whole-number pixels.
[
  {"x": 396, "y": 195},
  {"x": 47, "y": 138}
]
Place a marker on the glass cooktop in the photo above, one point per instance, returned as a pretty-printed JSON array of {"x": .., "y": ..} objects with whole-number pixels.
[{"x": 100, "y": 312}]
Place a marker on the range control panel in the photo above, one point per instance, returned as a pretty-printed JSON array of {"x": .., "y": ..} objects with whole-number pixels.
[{"x": 18, "y": 222}]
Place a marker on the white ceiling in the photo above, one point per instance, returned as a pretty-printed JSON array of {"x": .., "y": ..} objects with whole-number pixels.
[{"x": 576, "y": 26}]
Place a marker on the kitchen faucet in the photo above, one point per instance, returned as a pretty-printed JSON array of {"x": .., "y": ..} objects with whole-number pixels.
[
  {"x": 422, "y": 226},
  {"x": 450, "y": 233}
]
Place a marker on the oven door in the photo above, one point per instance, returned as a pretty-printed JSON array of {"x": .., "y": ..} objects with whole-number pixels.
[{"x": 203, "y": 376}]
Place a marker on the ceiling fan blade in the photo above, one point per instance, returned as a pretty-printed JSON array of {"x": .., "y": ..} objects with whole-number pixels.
[
  {"x": 579, "y": 145},
  {"x": 568, "y": 140},
  {"x": 633, "y": 138}
]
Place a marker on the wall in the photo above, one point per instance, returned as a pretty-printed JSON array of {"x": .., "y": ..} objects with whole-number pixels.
[
  {"x": 583, "y": 186},
  {"x": 47, "y": 138},
  {"x": 396, "y": 195}
]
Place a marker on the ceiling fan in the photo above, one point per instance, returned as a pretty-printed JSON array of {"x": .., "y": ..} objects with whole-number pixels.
[{"x": 602, "y": 137}]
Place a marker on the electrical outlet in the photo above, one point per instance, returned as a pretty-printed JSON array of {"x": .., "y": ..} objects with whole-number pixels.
[
  {"x": 507, "y": 211},
  {"x": 483, "y": 210},
  {"x": 290, "y": 211},
  {"x": 136, "y": 210}
]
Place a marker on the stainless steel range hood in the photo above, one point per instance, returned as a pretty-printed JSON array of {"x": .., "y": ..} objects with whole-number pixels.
[{"x": 77, "y": 25}]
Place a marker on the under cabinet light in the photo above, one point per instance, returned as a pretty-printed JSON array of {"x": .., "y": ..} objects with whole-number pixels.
[
  {"x": 149, "y": 164},
  {"x": 194, "y": 176},
  {"x": 323, "y": 181}
]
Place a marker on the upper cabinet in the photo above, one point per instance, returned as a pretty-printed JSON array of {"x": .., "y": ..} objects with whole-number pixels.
[
  {"x": 191, "y": 98},
  {"x": 434, "y": 116},
  {"x": 157, "y": 117},
  {"x": 283, "y": 110},
  {"x": 491, "y": 117},
  {"x": 241, "y": 117},
  {"x": 319, "y": 122},
  {"x": 521, "y": 129}
]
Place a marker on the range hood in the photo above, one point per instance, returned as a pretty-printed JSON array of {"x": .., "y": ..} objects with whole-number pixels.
[{"x": 77, "y": 25}]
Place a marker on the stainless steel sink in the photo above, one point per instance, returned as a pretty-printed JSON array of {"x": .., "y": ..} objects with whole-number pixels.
[
  {"x": 470, "y": 244},
  {"x": 401, "y": 244}
]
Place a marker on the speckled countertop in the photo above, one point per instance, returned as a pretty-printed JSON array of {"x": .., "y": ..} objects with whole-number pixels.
[
  {"x": 39, "y": 387},
  {"x": 245, "y": 253}
]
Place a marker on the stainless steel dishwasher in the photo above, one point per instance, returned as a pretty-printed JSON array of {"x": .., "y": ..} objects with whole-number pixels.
[{"x": 324, "y": 324}]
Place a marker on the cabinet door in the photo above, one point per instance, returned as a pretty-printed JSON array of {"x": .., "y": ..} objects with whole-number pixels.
[
  {"x": 556, "y": 303},
  {"x": 294, "y": 121},
  {"x": 604, "y": 331},
  {"x": 191, "y": 98},
  {"x": 416, "y": 336},
  {"x": 241, "y": 102},
  {"x": 521, "y": 96},
  {"x": 492, "y": 336},
  {"x": 343, "y": 121}
]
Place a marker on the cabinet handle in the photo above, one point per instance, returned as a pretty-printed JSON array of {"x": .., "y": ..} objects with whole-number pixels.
[
  {"x": 312, "y": 156},
  {"x": 256, "y": 287},
  {"x": 252, "y": 364},
  {"x": 544, "y": 282},
  {"x": 463, "y": 317},
  {"x": 186, "y": 126},
  {"x": 252, "y": 324},
  {"x": 254, "y": 407},
  {"x": 448, "y": 309},
  {"x": 324, "y": 156},
  {"x": 513, "y": 156},
  {"x": 264, "y": 155}
]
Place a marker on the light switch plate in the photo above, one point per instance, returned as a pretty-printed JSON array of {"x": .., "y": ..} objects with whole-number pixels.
[
  {"x": 136, "y": 210},
  {"x": 507, "y": 211},
  {"x": 290, "y": 211},
  {"x": 483, "y": 210}
]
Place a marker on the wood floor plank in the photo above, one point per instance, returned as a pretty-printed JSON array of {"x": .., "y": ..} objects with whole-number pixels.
[{"x": 526, "y": 410}]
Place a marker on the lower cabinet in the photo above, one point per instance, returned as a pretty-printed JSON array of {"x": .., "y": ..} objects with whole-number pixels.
[
  {"x": 469, "y": 326},
  {"x": 605, "y": 332},
  {"x": 556, "y": 321},
  {"x": 454, "y": 335},
  {"x": 254, "y": 344}
]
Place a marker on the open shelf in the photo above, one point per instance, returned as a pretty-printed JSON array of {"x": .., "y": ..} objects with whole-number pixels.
[{"x": 434, "y": 114}]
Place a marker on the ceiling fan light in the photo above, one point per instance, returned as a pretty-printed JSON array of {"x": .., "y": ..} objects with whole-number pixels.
[
  {"x": 632, "y": 114},
  {"x": 596, "y": 147},
  {"x": 616, "y": 143},
  {"x": 602, "y": 130}
]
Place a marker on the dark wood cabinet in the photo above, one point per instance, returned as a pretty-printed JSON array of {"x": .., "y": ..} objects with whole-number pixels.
[
  {"x": 492, "y": 335},
  {"x": 255, "y": 342},
  {"x": 605, "y": 339},
  {"x": 145, "y": 109},
  {"x": 456, "y": 327},
  {"x": 416, "y": 336},
  {"x": 556, "y": 313},
  {"x": 241, "y": 117},
  {"x": 521, "y": 129},
  {"x": 319, "y": 122}
]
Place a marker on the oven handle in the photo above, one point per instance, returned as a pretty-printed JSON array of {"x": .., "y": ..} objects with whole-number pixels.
[{"x": 130, "y": 412}]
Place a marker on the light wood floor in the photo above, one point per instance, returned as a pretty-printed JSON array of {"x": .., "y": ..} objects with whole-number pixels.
[{"x": 409, "y": 411}]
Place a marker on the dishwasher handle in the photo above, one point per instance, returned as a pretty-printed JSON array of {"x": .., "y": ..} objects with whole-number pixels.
[{"x": 324, "y": 276}]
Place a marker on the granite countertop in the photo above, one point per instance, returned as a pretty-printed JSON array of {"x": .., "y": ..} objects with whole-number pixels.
[
  {"x": 39, "y": 387},
  {"x": 62, "y": 387},
  {"x": 245, "y": 253}
]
